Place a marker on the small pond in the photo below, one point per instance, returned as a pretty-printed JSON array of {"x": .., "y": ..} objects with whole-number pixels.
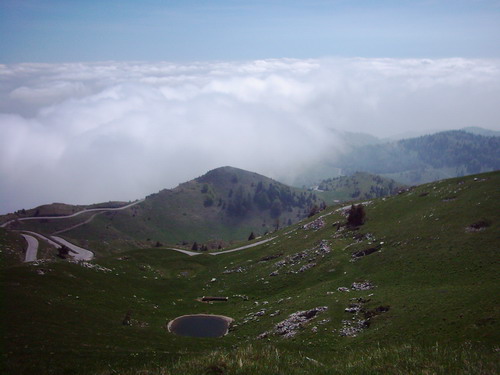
[{"x": 200, "y": 325}]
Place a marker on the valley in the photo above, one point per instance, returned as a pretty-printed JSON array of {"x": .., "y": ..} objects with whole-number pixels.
[{"x": 412, "y": 290}]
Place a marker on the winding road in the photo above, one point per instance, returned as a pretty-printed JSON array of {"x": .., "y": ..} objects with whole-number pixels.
[
  {"x": 32, "y": 249},
  {"x": 72, "y": 215},
  {"x": 78, "y": 253}
]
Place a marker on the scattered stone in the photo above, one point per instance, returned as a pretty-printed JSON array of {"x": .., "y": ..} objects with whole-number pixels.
[
  {"x": 309, "y": 255},
  {"x": 296, "y": 321},
  {"x": 92, "y": 266},
  {"x": 361, "y": 319},
  {"x": 235, "y": 270},
  {"x": 274, "y": 273},
  {"x": 305, "y": 267},
  {"x": 351, "y": 328},
  {"x": 40, "y": 271},
  {"x": 343, "y": 289},
  {"x": 315, "y": 224},
  {"x": 449, "y": 199},
  {"x": 363, "y": 285}
]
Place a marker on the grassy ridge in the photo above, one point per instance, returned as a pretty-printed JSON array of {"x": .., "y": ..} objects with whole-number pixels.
[
  {"x": 224, "y": 205},
  {"x": 360, "y": 185},
  {"x": 433, "y": 271}
]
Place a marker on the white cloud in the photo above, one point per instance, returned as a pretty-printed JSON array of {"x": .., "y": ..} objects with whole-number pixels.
[{"x": 90, "y": 132}]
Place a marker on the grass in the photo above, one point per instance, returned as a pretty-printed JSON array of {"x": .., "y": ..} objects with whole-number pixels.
[{"x": 438, "y": 280}]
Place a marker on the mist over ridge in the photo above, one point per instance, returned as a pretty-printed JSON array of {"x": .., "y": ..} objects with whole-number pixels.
[{"x": 89, "y": 132}]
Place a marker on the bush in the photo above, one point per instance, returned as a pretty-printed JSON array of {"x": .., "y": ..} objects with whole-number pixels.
[{"x": 356, "y": 215}]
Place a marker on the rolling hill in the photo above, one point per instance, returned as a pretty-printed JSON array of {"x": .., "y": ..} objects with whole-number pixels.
[
  {"x": 360, "y": 185},
  {"x": 412, "y": 290},
  {"x": 224, "y": 205}
]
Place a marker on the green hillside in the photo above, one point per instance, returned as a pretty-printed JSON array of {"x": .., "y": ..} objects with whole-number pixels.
[
  {"x": 224, "y": 205},
  {"x": 412, "y": 291},
  {"x": 360, "y": 185}
]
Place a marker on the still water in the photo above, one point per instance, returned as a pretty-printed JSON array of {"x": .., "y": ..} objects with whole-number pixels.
[{"x": 200, "y": 325}]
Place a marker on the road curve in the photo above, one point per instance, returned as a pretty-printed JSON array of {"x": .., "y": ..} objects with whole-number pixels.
[
  {"x": 42, "y": 237},
  {"x": 32, "y": 249},
  {"x": 187, "y": 252},
  {"x": 79, "y": 253},
  {"x": 72, "y": 215}
]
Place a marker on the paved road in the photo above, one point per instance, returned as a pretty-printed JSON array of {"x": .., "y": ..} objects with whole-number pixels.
[
  {"x": 32, "y": 249},
  {"x": 79, "y": 253},
  {"x": 190, "y": 253},
  {"x": 243, "y": 247},
  {"x": 72, "y": 215},
  {"x": 193, "y": 253},
  {"x": 42, "y": 237},
  {"x": 77, "y": 225}
]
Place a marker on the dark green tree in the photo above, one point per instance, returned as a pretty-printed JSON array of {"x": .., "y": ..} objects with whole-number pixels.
[{"x": 356, "y": 215}]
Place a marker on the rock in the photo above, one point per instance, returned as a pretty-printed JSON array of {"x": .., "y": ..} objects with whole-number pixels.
[
  {"x": 290, "y": 326},
  {"x": 307, "y": 266},
  {"x": 363, "y": 285},
  {"x": 343, "y": 289},
  {"x": 316, "y": 224},
  {"x": 235, "y": 270}
]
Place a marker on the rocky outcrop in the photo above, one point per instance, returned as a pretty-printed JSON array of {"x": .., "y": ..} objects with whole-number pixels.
[
  {"x": 310, "y": 256},
  {"x": 294, "y": 323},
  {"x": 361, "y": 318}
]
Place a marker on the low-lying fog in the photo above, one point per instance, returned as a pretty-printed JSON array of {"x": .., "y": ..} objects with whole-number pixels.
[{"x": 92, "y": 132}]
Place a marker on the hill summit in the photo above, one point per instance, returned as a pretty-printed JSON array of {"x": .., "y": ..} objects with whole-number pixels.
[{"x": 223, "y": 205}]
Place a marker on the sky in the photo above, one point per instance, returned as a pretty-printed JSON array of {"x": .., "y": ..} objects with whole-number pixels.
[
  {"x": 187, "y": 30},
  {"x": 115, "y": 100}
]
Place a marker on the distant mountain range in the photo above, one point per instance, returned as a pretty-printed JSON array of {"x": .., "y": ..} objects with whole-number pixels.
[
  {"x": 412, "y": 161},
  {"x": 427, "y": 158},
  {"x": 228, "y": 204}
]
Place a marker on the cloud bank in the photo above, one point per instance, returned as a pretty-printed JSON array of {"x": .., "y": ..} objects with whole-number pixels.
[{"x": 91, "y": 132}]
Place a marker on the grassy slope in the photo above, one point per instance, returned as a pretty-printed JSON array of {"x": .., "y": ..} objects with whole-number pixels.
[
  {"x": 439, "y": 281},
  {"x": 180, "y": 214},
  {"x": 360, "y": 185}
]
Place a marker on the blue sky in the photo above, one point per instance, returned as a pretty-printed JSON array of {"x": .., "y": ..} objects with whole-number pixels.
[
  {"x": 153, "y": 30},
  {"x": 96, "y": 94}
]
